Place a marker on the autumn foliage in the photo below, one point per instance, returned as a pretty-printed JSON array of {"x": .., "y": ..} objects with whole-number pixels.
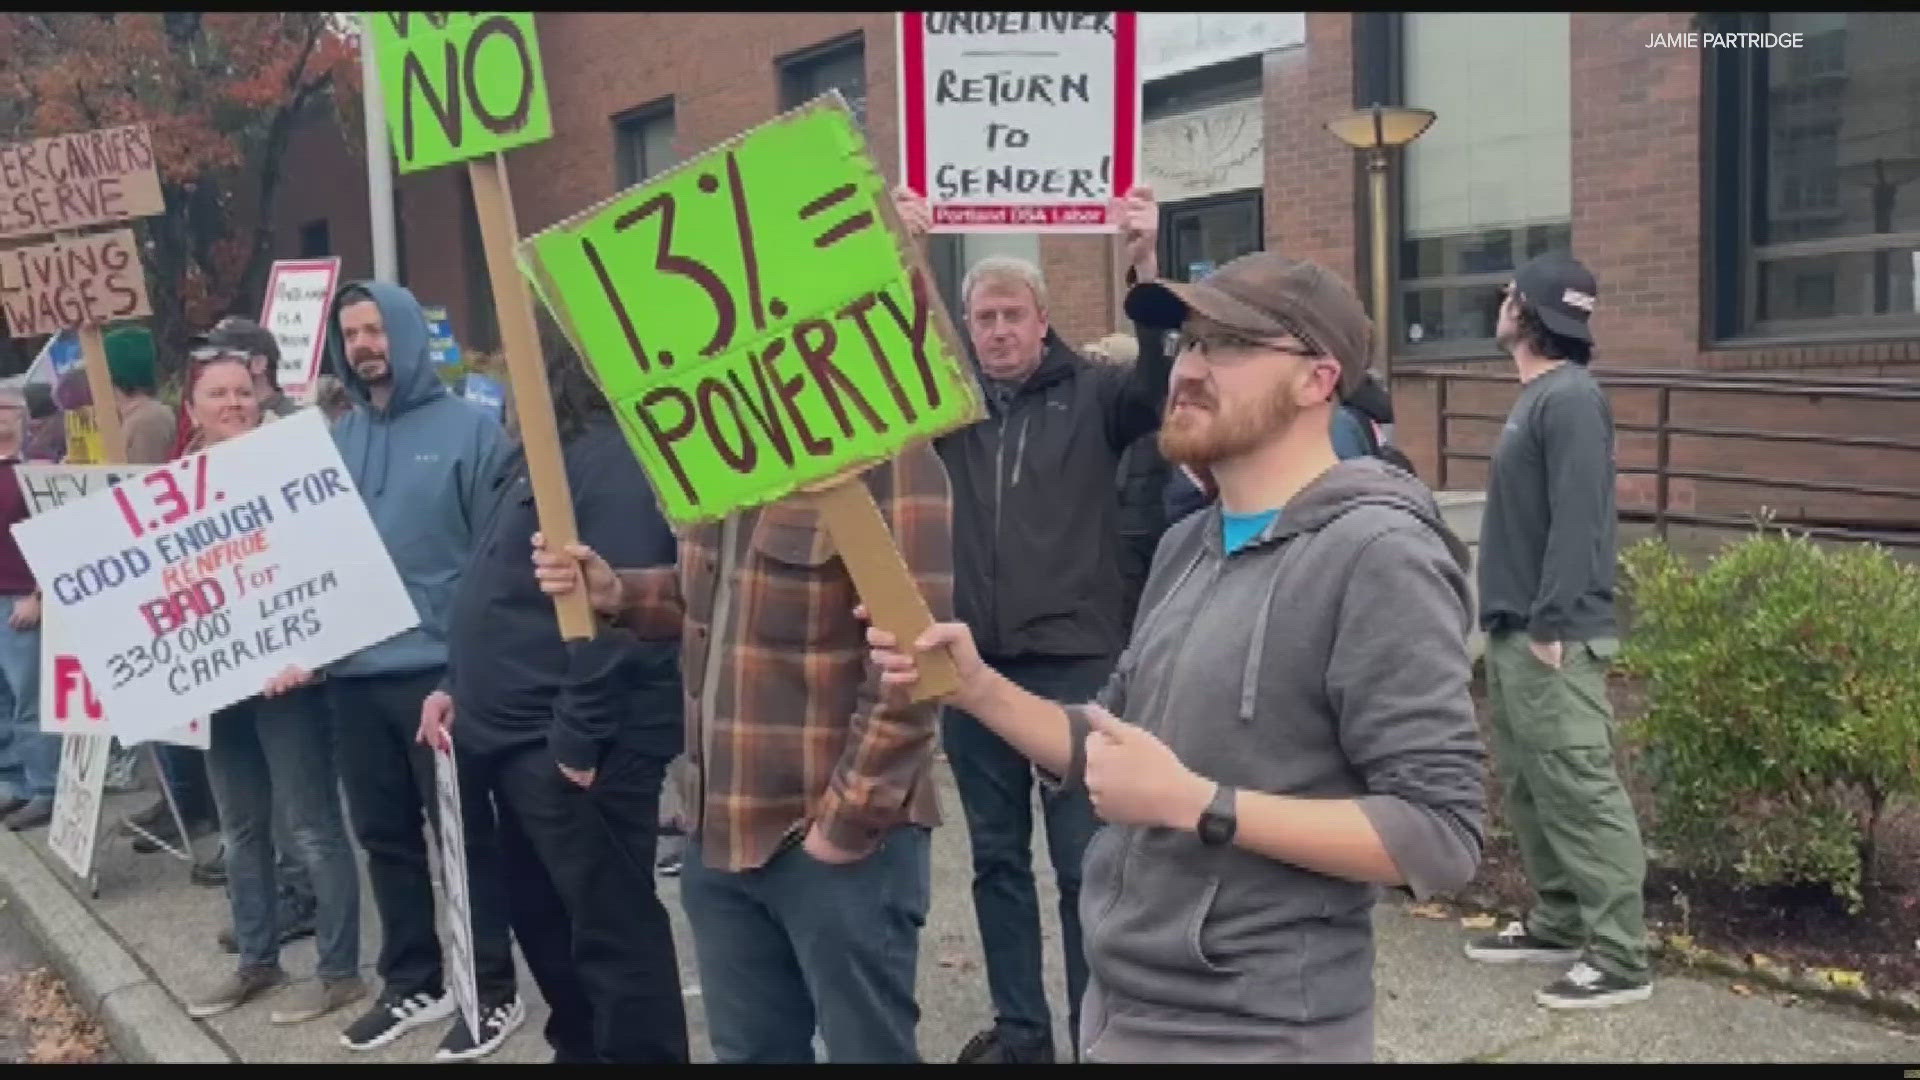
[{"x": 222, "y": 93}]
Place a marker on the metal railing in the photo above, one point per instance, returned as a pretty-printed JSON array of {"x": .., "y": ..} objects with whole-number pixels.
[{"x": 1665, "y": 384}]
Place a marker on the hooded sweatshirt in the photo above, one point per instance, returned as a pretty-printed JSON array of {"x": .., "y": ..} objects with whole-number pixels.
[
  {"x": 425, "y": 466},
  {"x": 1036, "y": 513},
  {"x": 1327, "y": 658}
]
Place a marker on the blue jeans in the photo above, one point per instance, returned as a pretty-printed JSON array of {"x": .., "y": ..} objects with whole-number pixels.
[
  {"x": 995, "y": 783},
  {"x": 273, "y": 757},
  {"x": 797, "y": 944},
  {"x": 29, "y": 757}
]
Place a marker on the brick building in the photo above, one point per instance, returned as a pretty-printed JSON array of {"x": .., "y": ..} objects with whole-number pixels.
[{"x": 1744, "y": 208}]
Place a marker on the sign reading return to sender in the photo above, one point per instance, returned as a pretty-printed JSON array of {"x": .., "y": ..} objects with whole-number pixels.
[
  {"x": 1020, "y": 121},
  {"x": 190, "y": 585}
]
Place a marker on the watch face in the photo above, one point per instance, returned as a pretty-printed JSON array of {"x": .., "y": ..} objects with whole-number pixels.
[{"x": 1215, "y": 829}]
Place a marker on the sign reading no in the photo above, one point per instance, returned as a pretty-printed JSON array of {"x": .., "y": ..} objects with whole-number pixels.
[{"x": 459, "y": 85}]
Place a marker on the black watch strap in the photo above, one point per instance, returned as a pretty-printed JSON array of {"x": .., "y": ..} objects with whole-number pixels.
[{"x": 1219, "y": 821}]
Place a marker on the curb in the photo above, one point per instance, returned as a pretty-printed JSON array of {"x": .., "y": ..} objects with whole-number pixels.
[{"x": 144, "y": 1023}]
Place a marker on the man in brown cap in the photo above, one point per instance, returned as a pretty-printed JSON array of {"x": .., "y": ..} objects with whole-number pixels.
[{"x": 1297, "y": 729}]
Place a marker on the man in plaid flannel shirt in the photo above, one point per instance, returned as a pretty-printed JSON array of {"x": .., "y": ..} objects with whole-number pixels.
[{"x": 809, "y": 796}]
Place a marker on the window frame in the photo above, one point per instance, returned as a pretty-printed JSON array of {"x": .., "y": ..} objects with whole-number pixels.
[
  {"x": 1171, "y": 268},
  {"x": 630, "y": 126},
  {"x": 1380, "y": 76},
  {"x": 789, "y": 66},
  {"x": 1734, "y": 184}
]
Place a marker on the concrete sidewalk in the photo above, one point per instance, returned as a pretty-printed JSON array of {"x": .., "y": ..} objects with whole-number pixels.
[{"x": 147, "y": 943}]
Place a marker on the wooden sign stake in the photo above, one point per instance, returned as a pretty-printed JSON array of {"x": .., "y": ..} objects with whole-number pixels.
[
  {"x": 881, "y": 577},
  {"x": 526, "y": 369}
]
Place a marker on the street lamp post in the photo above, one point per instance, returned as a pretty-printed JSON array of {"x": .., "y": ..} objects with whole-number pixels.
[{"x": 1376, "y": 130}]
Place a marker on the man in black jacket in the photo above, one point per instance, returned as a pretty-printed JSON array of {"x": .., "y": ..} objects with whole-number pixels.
[
  {"x": 1037, "y": 577},
  {"x": 564, "y": 747}
]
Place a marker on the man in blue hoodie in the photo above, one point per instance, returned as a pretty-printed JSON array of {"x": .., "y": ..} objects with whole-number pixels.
[{"x": 424, "y": 461}]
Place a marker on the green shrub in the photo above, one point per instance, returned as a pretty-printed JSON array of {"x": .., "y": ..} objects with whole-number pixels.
[{"x": 1784, "y": 703}]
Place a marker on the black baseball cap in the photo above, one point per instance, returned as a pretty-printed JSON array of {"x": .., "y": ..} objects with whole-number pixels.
[
  {"x": 242, "y": 335},
  {"x": 1558, "y": 289}
]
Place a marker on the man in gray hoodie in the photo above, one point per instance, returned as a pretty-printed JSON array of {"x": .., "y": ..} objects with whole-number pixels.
[
  {"x": 424, "y": 462},
  {"x": 1297, "y": 729}
]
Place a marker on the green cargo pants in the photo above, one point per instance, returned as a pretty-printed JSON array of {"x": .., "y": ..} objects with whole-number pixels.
[{"x": 1570, "y": 816}]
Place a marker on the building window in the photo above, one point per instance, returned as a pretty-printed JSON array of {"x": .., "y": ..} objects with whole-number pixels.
[
  {"x": 643, "y": 143},
  {"x": 316, "y": 240},
  {"x": 1200, "y": 235},
  {"x": 1488, "y": 186},
  {"x": 838, "y": 65},
  {"x": 1815, "y": 176}
]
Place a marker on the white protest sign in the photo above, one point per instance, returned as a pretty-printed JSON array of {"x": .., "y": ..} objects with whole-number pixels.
[
  {"x": 298, "y": 292},
  {"x": 453, "y": 882},
  {"x": 1019, "y": 121},
  {"x": 68, "y": 705},
  {"x": 75, "y": 828},
  {"x": 193, "y": 583}
]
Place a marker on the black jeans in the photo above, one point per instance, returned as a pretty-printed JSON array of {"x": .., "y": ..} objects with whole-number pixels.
[
  {"x": 390, "y": 798},
  {"x": 577, "y": 867}
]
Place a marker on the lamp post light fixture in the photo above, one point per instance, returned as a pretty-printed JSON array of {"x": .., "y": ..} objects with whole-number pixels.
[{"x": 1377, "y": 129}]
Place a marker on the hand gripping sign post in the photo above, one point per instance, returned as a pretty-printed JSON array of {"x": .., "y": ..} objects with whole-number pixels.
[
  {"x": 762, "y": 328},
  {"x": 1019, "y": 121},
  {"x": 298, "y": 292},
  {"x": 466, "y": 86}
]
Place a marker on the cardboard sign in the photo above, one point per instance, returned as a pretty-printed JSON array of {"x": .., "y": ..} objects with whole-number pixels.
[
  {"x": 84, "y": 281},
  {"x": 1021, "y": 121},
  {"x": 459, "y": 85},
  {"x": 456, "y": 909},
  {"x": 191, "y": 584},
  {"x": 442, "y": 349},
  {"x": 753, "y": 317},
  {"x": 58, "y": 356},
  {"x": 298, "y": 292},
  {"x": 83, "y": 436},
  {"x": 74, "y": 832},
  {"x": 68, "y": 705},
  {"x": 486, "y": 393},
  {"x": 77, "y": 180}
]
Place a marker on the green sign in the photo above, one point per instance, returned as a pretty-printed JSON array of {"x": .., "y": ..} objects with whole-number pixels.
[
  {"x": 755, "y": 319},
  {"x": 459, "y": 84}
]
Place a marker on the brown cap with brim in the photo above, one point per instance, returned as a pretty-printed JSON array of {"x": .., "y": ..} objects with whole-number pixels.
[{"x": 1267, "y": 295}]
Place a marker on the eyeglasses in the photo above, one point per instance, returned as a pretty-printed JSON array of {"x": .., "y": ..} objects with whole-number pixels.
[
  {"x": 207, "y": 354},
  {"x": 1224, "y": 346}
]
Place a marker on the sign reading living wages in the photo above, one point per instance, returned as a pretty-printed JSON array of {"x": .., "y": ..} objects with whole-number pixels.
[
  {"x": 81, "y": 281},
  {"x": 298, "y": 292},
  {"x": 1021, "y": 121},
  {"x": 191, "y": 584},
  {"x": 754, "y": 320},
  {"x": 68, "y": 705},
  {"x": 459, "y": 84}
]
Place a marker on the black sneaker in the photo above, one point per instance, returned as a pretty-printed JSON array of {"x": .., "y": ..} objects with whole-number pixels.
[
  {"x": 1008, "y": 1044},
  {"x": 1515, "y": 946},
  {"x": 393, "y": 1016},
  {"x": 211, "y": 873},
  {"x": 1587, "y": 987},
  {"x": 496, "y": 1023}
]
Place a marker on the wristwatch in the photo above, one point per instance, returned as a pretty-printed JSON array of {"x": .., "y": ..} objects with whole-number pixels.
[{"x": 1217, "y": 822}]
